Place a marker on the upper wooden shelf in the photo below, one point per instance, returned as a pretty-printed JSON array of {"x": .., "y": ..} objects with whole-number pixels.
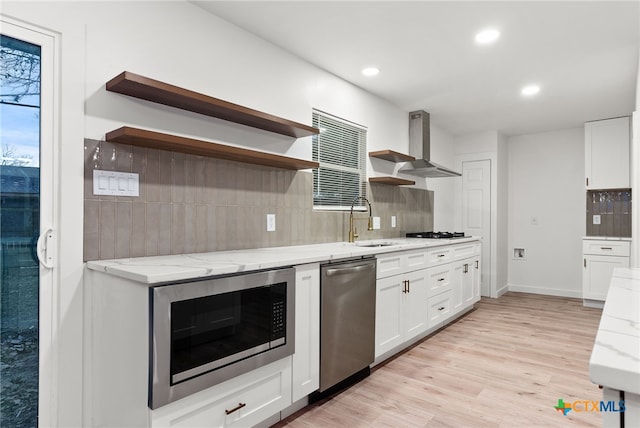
[
  {"x": 161, "y": 141},
  {"x": 392, "y": 156},
  {"x": 391, "y": 181},
  {"x": 134, "y": 85}
]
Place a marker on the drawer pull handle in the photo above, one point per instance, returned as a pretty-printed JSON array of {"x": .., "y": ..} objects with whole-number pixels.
[
  {"x": 440, "y": 279},
  {"x": 235, "y": 409},
  {"x": 441, "y": 308},
  {"x": 606, "y": 248},
  {"x": 440, "y": 255}
]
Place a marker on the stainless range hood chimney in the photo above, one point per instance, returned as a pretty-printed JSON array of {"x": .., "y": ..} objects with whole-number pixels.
[{"x": 420, "y": 143}]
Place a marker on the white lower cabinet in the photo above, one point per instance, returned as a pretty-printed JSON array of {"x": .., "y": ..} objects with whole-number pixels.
[
  {"x": 240, "y": 402},
  {"x": 306, "y": 360},
  {"x": 400, "y": 309},
  {"x": 466, "y": 283},
  {"x": 600, "y": 258},
  {"x": 418, "y": 293}
]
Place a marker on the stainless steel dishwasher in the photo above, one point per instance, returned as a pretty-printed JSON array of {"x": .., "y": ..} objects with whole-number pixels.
[{"x": 347, "y": 314}]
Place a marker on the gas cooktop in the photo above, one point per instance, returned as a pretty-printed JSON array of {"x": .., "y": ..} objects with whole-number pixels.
[{"x": 436, "y": 235}]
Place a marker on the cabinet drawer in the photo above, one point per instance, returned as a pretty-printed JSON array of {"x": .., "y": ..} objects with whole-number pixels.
[
  {"x": 400, "y": 262},
  {"x": 439, "y": 308},
  {"x": 389, "y": 264},
  {"x": 439, "y": 255},
  {"x": 248, "y": 405},
  {"x": 438, "y": 280},
  {"x": 606, "y": 248},
  {"x": 464, "y": 251}
]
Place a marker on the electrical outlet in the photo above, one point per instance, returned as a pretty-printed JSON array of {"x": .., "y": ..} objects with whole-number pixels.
[
  {"x": 271, "y": 222},
  {"x": 596, "y": 219},
  {"x": 376, "y": 223},
  {"x": 518, "y": 254},
  {"x": 393, "y": 221},
  {"x": 534, "y": 220}
]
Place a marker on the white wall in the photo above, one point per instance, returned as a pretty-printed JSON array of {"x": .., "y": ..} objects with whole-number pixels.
[
  {"x": 502, "y": 215},
  {"x": 546, "y": 173},
  {"x": 442, "y": 153}
]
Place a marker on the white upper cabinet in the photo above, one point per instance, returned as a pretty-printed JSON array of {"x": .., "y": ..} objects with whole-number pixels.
[{"x": 607, "y": 154}]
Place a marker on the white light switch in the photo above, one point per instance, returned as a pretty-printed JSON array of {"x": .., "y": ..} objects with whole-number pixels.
[
  {"x": 115, "y": 183},
  {"x": 271, "y": 222}
]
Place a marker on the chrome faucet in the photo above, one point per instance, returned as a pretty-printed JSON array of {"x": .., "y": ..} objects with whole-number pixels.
[{"x": 353, "y": 233}]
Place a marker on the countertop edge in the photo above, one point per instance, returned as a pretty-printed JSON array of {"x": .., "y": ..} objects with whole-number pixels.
[{"x": 155, "y": 270}]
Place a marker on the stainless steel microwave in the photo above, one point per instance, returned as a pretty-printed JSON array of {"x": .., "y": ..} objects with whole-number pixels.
[{"x": 208, "y": 331}]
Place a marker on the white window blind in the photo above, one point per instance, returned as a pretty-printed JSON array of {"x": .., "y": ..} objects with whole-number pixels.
[{"x": 340, "y": 149}]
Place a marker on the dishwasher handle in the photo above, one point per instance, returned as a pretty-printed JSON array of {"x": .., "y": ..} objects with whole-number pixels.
[{"x": 350, "y": 269}]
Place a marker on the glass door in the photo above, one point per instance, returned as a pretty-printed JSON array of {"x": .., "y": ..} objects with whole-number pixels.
[{"x": 25, "y": 202}]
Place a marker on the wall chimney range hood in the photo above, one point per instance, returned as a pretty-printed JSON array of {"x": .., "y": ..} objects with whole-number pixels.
[{"x": 420, "y": 143}]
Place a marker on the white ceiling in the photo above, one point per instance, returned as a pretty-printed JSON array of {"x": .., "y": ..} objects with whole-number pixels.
[{"x": 584, "y": 55}]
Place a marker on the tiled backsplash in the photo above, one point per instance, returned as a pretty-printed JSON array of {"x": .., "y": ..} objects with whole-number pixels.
[
  {"x": 612, "y": 209},
  {"x": 191, "y": 204}
]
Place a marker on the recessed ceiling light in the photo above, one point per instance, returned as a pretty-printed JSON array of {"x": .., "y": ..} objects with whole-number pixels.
[
  {"x": 530, "y": 90},
  {"x": 487, "y": 36},
  {"x": 370, "y": 71}
]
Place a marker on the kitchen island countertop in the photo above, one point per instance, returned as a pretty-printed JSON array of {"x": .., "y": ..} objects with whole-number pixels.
[
  {"x": 615, "y": 358},
  {"x": 162, "y": 269}
]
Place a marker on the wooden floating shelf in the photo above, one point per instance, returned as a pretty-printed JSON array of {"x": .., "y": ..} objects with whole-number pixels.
[
  {"x": 137, "y": 86},
  {"x": 391, "y": 181},
  {"x": 161, "y": 141},
  {"x": 391, "y": 156}
]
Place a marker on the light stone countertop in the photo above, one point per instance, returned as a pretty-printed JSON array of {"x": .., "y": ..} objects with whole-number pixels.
[
  {"x": 164, "y": 269},
  {"x": 615, "y": 358},
  {"x": 606, "y": 238}
]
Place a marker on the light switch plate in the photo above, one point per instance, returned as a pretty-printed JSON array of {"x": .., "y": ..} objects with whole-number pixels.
[
  {"x": 271, "y": 222},
  {"x": 393, "y": 221},
  {"x": 376, "y": 223},
  {"x": 115, "y": 183},
  {"x": 596, "y": 219}
]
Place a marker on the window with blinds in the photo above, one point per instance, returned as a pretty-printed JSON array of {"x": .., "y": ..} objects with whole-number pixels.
[{"x": 340, "y": 149}]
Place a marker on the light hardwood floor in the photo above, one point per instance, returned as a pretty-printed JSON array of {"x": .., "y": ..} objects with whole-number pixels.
[{"x": 505, "y": 364}]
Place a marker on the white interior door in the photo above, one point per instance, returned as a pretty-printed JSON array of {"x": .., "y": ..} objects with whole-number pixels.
[{"x": 476, "y": 211}]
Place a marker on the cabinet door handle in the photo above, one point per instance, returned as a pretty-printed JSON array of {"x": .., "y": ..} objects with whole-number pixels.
[
  {"x": 466, "y": 268},
  {"x": 235, "y": 409},
  {"x": 477, "y": 264},
  {"x": 606, "y": 248},
  {"x": 404, "y": 286},
  {"x": 408, "y": 286},
  {"x": 587, "y": 179},
  {"x": 585, "y": 262}
]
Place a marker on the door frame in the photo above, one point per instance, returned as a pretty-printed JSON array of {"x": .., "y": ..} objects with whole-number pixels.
[
  {"x": 487, "y": 275},
  {"x": 49, "y": 188},
  {"x": 492, "y": 274}
]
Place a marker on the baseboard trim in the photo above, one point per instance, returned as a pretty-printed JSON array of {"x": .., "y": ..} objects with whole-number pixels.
[{"x": 576, "y": 294}]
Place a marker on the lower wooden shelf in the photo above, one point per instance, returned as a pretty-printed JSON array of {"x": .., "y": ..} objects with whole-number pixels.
[
  {"x": 391, "y": 181},
  {"x": 161, "y": 141}
]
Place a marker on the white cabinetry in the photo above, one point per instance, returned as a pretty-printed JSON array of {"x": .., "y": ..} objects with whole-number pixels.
[
  {"x": 239, "y": 402},
  {"x": 600, "y": 258},
  {"x": 306, "y": 360},
  {"x": 401, "y": 297},
  {"x": 465, "y": 282},
  {"x": 607, "y": 144}
]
